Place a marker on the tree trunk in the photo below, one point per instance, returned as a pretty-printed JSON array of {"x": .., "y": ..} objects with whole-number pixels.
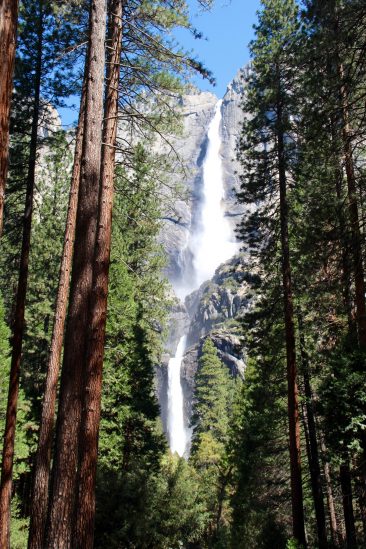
[
  {"x": 353, "y": 214},
  {"x": 313, "y": 454},
  {"x": 346, "y": 487},
  {"x": 61, "y": 509},
  {"x": 336, "y": 535},
  {"x": 293, "y": 407},
  {"x": 8, "y": 30},
  {"x": 18, "y": 326},
  {"x": 39, "y": 499},
  {"x": 84, "y": 535},
  {"x": 356, "y": 244}
]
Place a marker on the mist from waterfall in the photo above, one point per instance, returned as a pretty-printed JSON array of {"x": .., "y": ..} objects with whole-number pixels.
[{"x": 211, "y": 244}]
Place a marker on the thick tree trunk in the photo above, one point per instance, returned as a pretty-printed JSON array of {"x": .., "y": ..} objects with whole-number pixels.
[
  {"x": 61, "y": 509},
  {"x": 18, "y": 326},
  {"x": 313, "y": 454},
  {"x": 84, "y": 535},
  {"x": 349, "y": 519},
  {"x": 8, "y": 30},
  {"x": 42, "y": 463},
  {"x": 293, "y": 406}
]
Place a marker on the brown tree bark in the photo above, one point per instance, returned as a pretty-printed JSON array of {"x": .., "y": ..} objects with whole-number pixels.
[
  {"x": 349, "y": 519},
  {"x": 356, "y": 240},
  {"x": 42, "y": 462},
  {"x": 293, "y": 405},
  {"x": 8, "y": 30},
  {"x": 61, "y": 509},
  {"x": 312, "y": 446},
  {"x": 18, "y": 325},
  {"x": 84, "y": 533}
]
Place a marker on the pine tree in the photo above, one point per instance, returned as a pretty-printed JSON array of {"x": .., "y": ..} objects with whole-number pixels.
[
  {"x": 64, "y": 473},
  {"x": 267, "y": 151},
  {"x": 8, "y": 27},
  {"x": 97, "y": 316},
  {"x": 43, "y": 456},
  {"x": 211, "y": 406},
  {"x": 40, "y": 39}
]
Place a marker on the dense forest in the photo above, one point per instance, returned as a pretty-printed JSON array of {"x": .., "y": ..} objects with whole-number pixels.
[{"x": 277, "y": 455}]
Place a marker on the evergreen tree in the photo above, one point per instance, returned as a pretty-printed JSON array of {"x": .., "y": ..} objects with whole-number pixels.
[
  {"x": 267, "y": 150},
  {"x": 212, "y": 398},
  {"x": 212, "y": 406}
]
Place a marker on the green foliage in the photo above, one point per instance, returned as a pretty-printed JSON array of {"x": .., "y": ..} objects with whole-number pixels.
[
  {"x": 293, "y": 88},
  {"x": 131, "y": 440},
  {"x": 212, "y": 400},
  {"x": 293, "y": 544},
  {"x": 19, "y": 524},
  {"x": 169, "y": 511},
  {"x": 212, "y": 406},
  {"x": 343, "y": 402},
  {"x": 258, "y": 450},
  {"x": 46, "y": 248}
]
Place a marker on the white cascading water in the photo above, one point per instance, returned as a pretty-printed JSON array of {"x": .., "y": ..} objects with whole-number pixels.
[
  {"x": 176, "y": 429},
  {"x": 211, "y": 244}
]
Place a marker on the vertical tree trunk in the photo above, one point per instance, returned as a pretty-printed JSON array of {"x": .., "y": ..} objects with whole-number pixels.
[
  {"x": 61, "y": 507},
  {"x": 353, "y": 214},
  {"x": 18, "y": 326},
  {"x": 8, "y": 29},
  {"x": 293, "y": 406},
  {"x": 84, "y": 535},
  {"x": 346, "y": 269},
  {"x": 313, "y": 454},
  {"x": 336, "y": 535},
  {"x": 356, "y": 245},
  {"x": 39, "y": 499},
  {"x": 349, "y": 519}
]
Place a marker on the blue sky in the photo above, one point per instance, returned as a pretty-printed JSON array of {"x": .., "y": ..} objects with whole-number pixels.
[{"x": 227, "y": 29}]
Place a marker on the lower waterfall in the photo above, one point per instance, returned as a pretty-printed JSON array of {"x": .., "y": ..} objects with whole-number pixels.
[
  {"x": 211, "y": 243},
  {"x": 176, "y": 428}
]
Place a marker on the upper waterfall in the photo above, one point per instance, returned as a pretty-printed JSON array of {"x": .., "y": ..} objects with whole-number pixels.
[{"x": 212, "y": 243}]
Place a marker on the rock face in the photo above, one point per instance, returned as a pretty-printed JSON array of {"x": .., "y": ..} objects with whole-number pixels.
[
  {"x": 232, "y": 118},
  {"x": 213, "y": 310},
  {"x": 197, "y": 109}
]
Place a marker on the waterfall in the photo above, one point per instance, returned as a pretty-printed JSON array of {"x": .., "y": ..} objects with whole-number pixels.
[
  {"x": 211, "y": 244},
  {"x": 176, "y": 429}
]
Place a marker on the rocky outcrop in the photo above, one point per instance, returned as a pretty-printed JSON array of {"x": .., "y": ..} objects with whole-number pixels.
[
  {"x": 224, "y": 297},
  {"x": 212, "y": 311}
]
